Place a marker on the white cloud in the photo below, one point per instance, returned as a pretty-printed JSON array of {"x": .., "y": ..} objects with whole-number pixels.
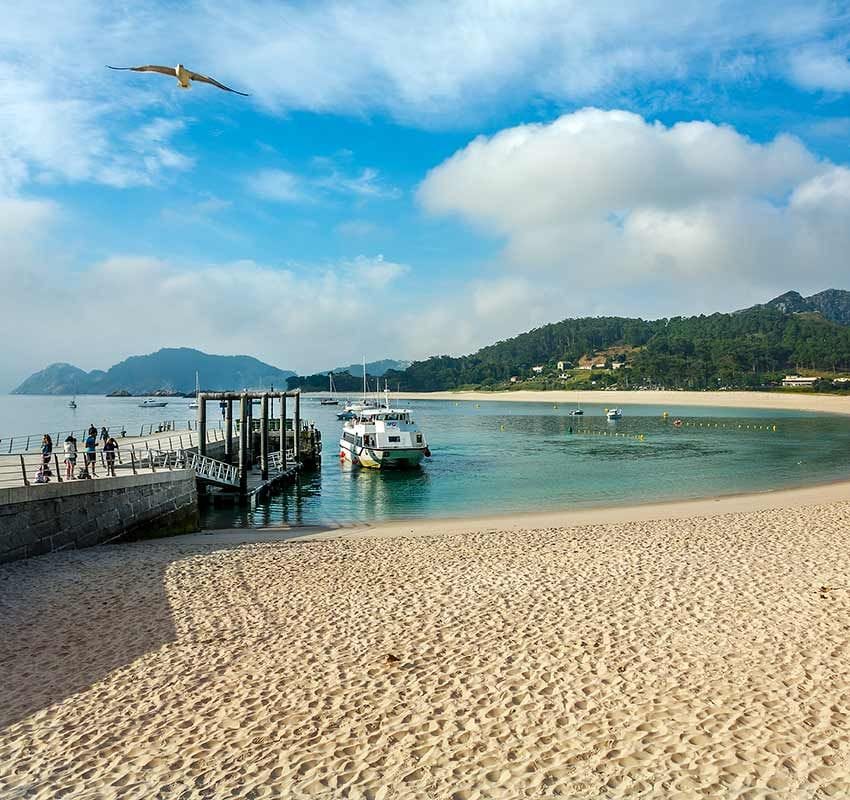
[
  {"x": 325, "y": 181},
  {"x": 291, "y": 315},
  {"x": 822, "y": 66},
  {"x": 647, "y": 213},
  {"x": 277, "y": 185}
]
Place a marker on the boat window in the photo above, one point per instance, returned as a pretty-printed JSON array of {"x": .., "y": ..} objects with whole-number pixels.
[
  {"x": 395, "y": 438},
  {"x": 418, "y": 438}
]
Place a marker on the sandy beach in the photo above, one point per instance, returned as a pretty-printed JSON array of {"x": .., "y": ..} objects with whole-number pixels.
[
  {"x": 687, "y": 651},
  {"x": 780, "y": 401}
]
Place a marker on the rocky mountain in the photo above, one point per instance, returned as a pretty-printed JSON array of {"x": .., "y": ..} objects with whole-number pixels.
[
  {"x": 169, "y": 369},
  {"x": 832, "y": 304}
]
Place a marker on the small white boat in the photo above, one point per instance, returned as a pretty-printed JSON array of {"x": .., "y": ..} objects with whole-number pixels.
[
  {"x": 614, "y": 413},
  {"x": 382, "y": 437},
  {"x": 151, "y": 403}
]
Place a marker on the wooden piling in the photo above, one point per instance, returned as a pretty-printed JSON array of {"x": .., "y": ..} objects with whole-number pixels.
[
  {"x": 264, "y": 437},
  {"x": 243, "y": 445},
  {"x": 297, "y": 425},
  {"x": 202, "y": 426}
]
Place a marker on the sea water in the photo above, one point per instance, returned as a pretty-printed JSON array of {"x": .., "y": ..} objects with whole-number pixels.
[{"x": 501, "y": 457}]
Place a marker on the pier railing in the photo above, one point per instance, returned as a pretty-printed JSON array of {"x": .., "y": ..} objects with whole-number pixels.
[{"x": 31, "y": 442}]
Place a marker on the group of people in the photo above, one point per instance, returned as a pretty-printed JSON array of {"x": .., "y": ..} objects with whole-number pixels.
[{"x": 109, "y": 452}]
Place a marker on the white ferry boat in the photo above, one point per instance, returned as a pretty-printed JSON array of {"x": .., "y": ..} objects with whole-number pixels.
[{"x": 381, "y": 438}]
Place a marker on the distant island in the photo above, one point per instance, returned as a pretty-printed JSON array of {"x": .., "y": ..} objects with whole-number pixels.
[
  {"x": 755, "y": 348},
  {"x": 170, "y": 371}
]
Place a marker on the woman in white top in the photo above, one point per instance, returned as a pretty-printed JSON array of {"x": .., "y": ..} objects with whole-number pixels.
[{"x": 70, "y": 456}]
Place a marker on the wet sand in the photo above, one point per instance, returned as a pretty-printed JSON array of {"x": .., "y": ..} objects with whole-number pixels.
[{"x": 685, "y": 652}]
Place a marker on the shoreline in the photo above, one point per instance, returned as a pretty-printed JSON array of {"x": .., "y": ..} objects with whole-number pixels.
[
  {"x": 836, "y": 491},
  {"x": 775, "y": 401}
]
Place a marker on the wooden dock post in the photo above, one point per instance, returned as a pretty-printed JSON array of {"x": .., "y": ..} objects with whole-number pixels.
[
  {"x": 243, "y": 445},
  {"x": 202, "y": 425},
  {"x": 228, "y": 432},
  {"x": 283, "y": 433},
  {"x": 297, "y": 425},
  {"x": 264, "y": 437}
]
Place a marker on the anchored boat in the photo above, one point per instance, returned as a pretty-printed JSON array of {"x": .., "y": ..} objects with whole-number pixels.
[
  {"x": 381, "y": 438},
  {"x": 151, "y": 403},
  {"x": 614, "y": 413},
  {"x": 330, "y": 401}
]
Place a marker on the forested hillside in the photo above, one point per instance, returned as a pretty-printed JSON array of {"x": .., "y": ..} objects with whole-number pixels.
[{"x": 747, "y": 349}]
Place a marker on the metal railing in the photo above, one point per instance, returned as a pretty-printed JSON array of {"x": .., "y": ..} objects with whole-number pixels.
[
  {"x": 145, "y": 455},
  {"x": 275, "y": 461},
  {"x": 31, "y": 442},
  {"x": 212, "y": 470}
]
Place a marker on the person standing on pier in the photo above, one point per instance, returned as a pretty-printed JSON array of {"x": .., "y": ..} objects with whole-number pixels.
[
  {"x": 110, "y": 448},
  {"x": 70, "y": 456},
  {"x": 104, "y": 435},
  {"x": 46, "y": 451},
  {"x": 91, "y": 452}
]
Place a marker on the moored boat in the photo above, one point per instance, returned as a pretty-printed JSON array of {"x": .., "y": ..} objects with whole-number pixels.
[
  {"x": 332, "y": 400},
  {"x": 151, "y": 403},
  {"x": 614, "y": 413},
  {"x": 382, "y": 437}
]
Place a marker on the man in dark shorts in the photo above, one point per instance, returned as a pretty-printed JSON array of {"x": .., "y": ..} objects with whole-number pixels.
[{"x": 91, "y": 453}]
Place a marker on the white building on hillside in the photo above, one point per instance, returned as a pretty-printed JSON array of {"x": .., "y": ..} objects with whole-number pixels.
[{"x": 798, "y": 381}]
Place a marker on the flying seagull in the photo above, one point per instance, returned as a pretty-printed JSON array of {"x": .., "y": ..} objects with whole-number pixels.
[{"x": 183, "y": 76}]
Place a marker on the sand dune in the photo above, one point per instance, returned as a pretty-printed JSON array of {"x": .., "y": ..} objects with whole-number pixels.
[{"x": 689, "y": 657}]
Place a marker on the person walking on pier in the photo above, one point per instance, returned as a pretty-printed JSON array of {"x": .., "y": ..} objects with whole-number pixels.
[
  {"x": 110, "y": 448},
  {"x": 91, "y": 452},
  {"x": 104, "y": 435},
  {"x": 70, "y": 456}
]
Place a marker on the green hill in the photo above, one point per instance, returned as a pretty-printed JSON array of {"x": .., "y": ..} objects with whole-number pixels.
[{"x": 747, "y": 349}]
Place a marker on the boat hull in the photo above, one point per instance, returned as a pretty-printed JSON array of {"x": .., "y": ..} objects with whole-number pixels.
[{"x": 374, "y": 458}]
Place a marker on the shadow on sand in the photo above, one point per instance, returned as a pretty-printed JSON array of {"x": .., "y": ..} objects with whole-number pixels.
[{"x": 69, "y": 619}]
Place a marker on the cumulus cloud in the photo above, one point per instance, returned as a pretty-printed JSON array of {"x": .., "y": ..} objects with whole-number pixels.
[
  {"x": 635, "y": 206},
  {"x": 822, "y": 66}
]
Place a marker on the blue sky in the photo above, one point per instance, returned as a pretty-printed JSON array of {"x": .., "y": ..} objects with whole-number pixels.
[{"x": 409, "y": 179}]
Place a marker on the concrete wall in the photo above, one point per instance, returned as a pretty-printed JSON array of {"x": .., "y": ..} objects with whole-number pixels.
[{"x": 55, "y": 516}]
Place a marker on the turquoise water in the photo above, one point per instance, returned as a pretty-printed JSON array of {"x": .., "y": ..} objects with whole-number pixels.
[{"x": 498, "y": 457}]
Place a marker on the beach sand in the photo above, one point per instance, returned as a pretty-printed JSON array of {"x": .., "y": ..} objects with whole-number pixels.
[
  {"x": 673, "y": 401},
  {"x": 663, "y": 655}
]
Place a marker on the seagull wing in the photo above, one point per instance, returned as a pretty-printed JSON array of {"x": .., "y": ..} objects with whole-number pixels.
[
  {"x": 196, "y": 76},
  {"x": 149, "y": 68}
]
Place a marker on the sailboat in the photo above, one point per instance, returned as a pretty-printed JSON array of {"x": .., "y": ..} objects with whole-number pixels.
[
  {"x": 194, "y": 403},
  {"x": 351, "y": 410},
  {"x": 72, "y": 403},
  {"x": 577, "y": 412},
  {"x": 330, "y": 401}
]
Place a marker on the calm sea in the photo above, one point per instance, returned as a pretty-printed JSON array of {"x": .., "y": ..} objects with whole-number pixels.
[{"x": 497, "y": 457}]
